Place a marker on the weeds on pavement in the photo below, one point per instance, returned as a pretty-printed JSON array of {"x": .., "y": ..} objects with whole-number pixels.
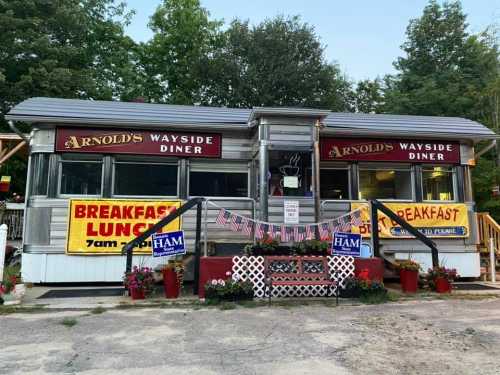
[{"x": 69, "y": 322}]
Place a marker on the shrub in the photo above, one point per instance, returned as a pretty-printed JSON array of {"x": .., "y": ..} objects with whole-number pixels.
[
  {"x": 310, "y": 247},
  {"x": 218, "y": 290}
]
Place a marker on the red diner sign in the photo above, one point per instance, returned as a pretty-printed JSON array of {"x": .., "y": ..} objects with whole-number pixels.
[
  {"x": 138, "y": 142},
  {"x": 344, "y": 149}
]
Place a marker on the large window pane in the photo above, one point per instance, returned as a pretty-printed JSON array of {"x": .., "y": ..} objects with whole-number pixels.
[
  {"x": 438, "y": 183},
  {"x": 385, "y": 184},
  {"x": 145, "y": 179},
  {"x": 334, "y": 184},
  {"x": 81, "y": 178},
  {"x": 218, "y": 184},
  {"x": 289, "y": 173}
]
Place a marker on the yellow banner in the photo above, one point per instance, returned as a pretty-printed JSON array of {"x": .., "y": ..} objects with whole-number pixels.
[
  {"x": 438, "y": 220},
  {"x": 105, "y": 226}
]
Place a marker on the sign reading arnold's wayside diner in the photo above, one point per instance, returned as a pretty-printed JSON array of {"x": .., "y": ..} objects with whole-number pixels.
[
  {"x": 344, "y": 149},
  {"x": 138, "y": 142}
]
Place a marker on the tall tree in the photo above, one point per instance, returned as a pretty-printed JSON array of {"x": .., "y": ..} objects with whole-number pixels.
[
  {"x": 448, "y": 72},
  {"x": 368, "y": 96},
  {"x": 61, "y": 48},
  {"x": 177, "y": 58},
  {"x": 279, "y": 62},
  {"x": 445, "y": 69}
]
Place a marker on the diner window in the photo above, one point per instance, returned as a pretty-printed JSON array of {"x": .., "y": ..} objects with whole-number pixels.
[
  {"x": 438, "y": 183},
  {"x": 288, "y": 174},
  {"x": 145, "y": 179},
  {"x": 385, "y": 183},
  {"x": 218, "y": 184},
  {"x": 79, "y": 177},
  {"x": 334, "y": 183}
]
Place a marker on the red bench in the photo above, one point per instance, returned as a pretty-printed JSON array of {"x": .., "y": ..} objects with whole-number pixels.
[{"x": 298, "y": 271}]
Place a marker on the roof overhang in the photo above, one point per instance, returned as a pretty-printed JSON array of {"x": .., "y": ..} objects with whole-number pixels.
[{"x": 258, "y": 112}]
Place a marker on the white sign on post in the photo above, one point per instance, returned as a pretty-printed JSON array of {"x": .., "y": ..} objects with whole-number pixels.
[{"x": 291, "y": 210}]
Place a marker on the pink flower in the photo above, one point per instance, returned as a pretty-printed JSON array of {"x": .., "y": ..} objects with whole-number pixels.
[
  {"x": 214, "y": 282},
  {"x": 222, "y": 282},
  {"x": 228, "y": 273}
]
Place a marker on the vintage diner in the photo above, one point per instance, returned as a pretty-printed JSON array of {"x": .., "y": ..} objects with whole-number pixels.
[{"x": 100, "y": 172}]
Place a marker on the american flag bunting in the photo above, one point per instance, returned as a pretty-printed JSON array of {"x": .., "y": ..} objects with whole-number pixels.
[
  {"x": 236, "y": 222},
  {"x": 223, "y": 216}
]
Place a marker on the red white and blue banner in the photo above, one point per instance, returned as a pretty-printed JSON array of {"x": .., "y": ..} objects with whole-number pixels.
[{"x": 286, "y": 232}]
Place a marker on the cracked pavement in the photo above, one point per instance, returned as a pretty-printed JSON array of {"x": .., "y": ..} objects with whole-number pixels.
[{"x": 414, "y": 337}]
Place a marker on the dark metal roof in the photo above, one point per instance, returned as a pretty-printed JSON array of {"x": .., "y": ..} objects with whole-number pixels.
[
  {"x": 112, "y": 112},
  {"x": 428, "y": 126},
  {"x": 52, "y": 110}
]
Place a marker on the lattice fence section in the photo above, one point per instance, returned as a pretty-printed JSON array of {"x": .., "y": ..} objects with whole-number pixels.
[{"x": 252, "y": 268}]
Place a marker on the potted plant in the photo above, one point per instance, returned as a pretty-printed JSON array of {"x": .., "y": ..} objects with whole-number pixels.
[
  {"x": 311, "y": 247},
  {"x": 441, "y": 278},
  {"x": 173, "y": 277},
  {"x": 139, "y": 282},
  {"x": 266, "y": 246},
  {"x": 218, "y": 290},
  {"x": 408, "y": 275}
]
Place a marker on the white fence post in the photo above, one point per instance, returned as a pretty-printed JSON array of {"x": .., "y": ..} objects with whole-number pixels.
[
  {"x": 3, "y": 244},
  {"x": 492, "y": 261}
]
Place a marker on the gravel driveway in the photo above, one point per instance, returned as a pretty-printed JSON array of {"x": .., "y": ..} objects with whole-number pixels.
[{"x": 418, "y": 337}]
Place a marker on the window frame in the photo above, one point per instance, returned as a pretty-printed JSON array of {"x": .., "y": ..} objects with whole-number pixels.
[
  {"x": 135, "y": 161},
  {"x": 349, "y": 183},
  {"x": 388, "y": 167},
  {"x": 71, "y": 159},
  {"x": 454, "y": 183},
  {"x": 209, "y": 168}
]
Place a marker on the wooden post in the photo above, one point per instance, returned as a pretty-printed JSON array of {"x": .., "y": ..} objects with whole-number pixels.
[{"x": 493, "y": 270}]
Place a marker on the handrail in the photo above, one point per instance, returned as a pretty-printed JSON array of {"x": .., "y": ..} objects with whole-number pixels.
[
  {"x": 214, "y": 199},
  {"x": 488, "y": 228},
  {"x": 378, "y": 206},
  {"x": 129, "y": 247}
]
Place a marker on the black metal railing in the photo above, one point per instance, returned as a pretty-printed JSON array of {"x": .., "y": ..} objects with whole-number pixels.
[
  {"x": 129, "y": 247},
  {"x": 378, "y": 206}
]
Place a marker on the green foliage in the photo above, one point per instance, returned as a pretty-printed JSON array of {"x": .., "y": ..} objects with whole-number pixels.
[
  {"x": 368, "y": 96},
  {"x": 445, "y": 70},
  {"x": 279, "y": 62},
  {"x": 408, "y": 265},
  {"x": 228, "y": 290},
  {"x": 69, "y": 322},
  {"x": 310, "y": 247}
]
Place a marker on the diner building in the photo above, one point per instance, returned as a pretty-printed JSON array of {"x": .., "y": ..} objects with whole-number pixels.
[{"x": 250, "y": 161}]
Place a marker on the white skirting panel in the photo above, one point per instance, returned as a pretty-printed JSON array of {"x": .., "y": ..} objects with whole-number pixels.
[
  {"x": 466, "y": 264},
  {"x": 61, "y": 268}
]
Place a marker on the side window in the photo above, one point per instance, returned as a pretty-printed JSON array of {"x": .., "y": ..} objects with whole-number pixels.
[
  {"x": 80, "y": 177},
  {"x": 334, "y": 183},
  {"x": 385, "y": 182},
  {"x": 145, "y": 179},
  {"x": 438, "y": 183}
]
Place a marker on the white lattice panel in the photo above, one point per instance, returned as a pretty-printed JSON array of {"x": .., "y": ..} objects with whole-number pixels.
[{"x": 252, "y": 268}]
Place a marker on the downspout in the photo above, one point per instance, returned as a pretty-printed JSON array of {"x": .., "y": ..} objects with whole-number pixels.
[
  {"x": 316, "y": 172},
  {"x": 18, "y": 132}
]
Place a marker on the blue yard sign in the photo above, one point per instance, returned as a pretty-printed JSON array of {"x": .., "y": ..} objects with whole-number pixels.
[
  {"x": 167, "y": 244},
  {"x": 346, "y": 244}
]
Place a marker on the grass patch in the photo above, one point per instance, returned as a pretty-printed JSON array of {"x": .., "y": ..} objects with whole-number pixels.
[
  {"x": 227, "y": 306},
  {"x": 6, "y": 310},
  {"x": 69, "y": 322},
  {"x": 98, "y": 310}
]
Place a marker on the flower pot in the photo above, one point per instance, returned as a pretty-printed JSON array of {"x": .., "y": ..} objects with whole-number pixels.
[
  {"x": 443, "y": 285},
  {"x": 409, "y": 281},
  {"x": 171, "y": 283},
  {"x": 137, "y": 293}
]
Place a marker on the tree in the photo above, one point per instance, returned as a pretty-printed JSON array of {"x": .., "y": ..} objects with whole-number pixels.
[
  {"x": 368, "y": 96},
  {"x": 61, "y": 48},
  {"x": 448, "y": 72},
  {"x": 177, "y": 57},
  {"x": 445, "y": 69},
  {"x": 279, "y": 62}
]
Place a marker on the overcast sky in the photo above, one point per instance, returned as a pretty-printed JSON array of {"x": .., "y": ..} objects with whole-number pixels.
[{"x": 362, "y": 36}]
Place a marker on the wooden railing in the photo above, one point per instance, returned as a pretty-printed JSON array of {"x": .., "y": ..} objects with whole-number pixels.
[{"x": 488, "y": 228}]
